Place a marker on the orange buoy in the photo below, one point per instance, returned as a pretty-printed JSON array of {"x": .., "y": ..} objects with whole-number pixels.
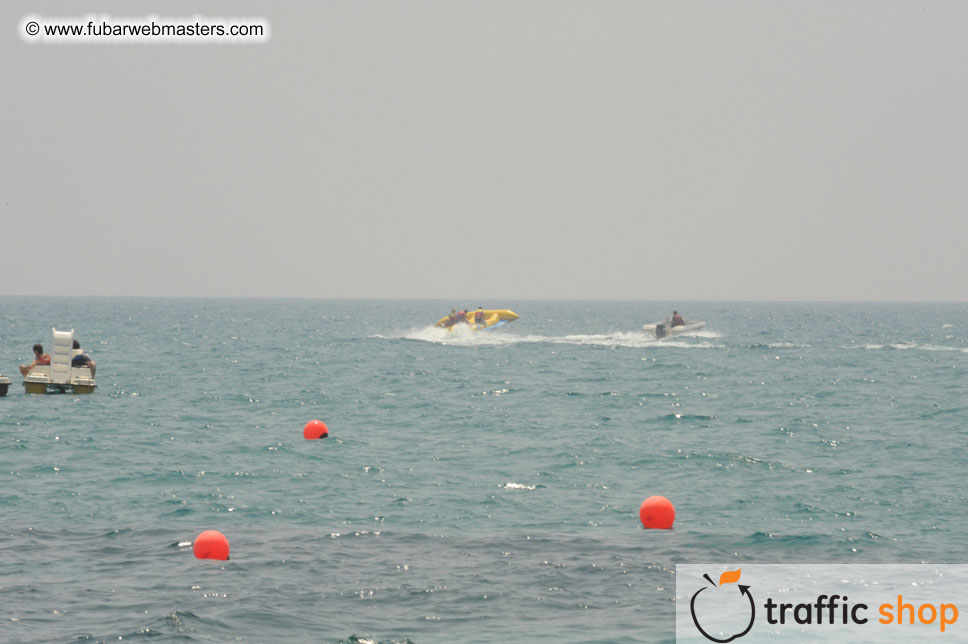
[
  {"x": 315, "y": 429},
  {"x": 657, "y": 512},
  {"x": 211, "y": 544}
]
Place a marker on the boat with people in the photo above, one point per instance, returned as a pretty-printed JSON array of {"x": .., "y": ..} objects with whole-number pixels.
[
  {"x": 479, "y": 320},
  {"x": 672, "y": 326},
  {"x": 66, "y": 372}
]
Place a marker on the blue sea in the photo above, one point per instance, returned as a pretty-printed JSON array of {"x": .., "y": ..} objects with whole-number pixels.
[{"x": 475, "y": 487}]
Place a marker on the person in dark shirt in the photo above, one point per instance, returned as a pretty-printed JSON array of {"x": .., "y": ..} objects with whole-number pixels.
[{"x": 81, "y": 359}]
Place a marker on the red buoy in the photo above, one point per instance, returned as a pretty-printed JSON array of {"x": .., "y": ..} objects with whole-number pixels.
[
  {"x": 315, "y": 429},
  {"x": 657, "y": 512},
  {"x": 211, "y": 544}
]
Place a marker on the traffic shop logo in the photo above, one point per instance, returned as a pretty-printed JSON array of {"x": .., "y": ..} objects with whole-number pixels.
[{"x": 736, "y": 599}]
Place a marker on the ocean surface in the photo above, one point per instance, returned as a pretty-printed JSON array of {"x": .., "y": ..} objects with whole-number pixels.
[{"x": 475, "y": 487}]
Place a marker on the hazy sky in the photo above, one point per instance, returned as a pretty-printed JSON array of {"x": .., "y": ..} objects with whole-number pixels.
[{"x": 494, "y": 150}]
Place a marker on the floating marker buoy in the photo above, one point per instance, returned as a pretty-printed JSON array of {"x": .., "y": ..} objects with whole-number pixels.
[
  {"x": 211, "y": 544},
  {"x": 657, "y": 512},
  {"x": 315, "y": 429}
]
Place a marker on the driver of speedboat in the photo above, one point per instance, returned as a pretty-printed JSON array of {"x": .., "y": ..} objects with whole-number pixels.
[{"x": 677, "y": 319}]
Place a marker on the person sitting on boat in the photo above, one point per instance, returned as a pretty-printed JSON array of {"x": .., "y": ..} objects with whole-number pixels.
[
  {"x": 81, "y": 359},
  {"x": 479, "y": 316},
  {"x": 40, "y": 358},
  {"x": 677, "y": 319},
  {"x": 451, "y": 319},
  {"x": 461, "y": 316}
]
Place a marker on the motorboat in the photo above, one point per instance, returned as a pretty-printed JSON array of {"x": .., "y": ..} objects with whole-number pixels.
[
  {"x": 664, "y": 329},
  {"x": 493, "y": 319},
  {"x": 4, "y": 384},
  {"x": 60, "y": 377}
]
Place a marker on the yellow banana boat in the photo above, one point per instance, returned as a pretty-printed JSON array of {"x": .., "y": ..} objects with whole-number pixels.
[{"x": 493, "y": 318}]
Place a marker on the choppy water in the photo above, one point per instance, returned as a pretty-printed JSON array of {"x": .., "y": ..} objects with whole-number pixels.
[{"x": 475, "y": 487}]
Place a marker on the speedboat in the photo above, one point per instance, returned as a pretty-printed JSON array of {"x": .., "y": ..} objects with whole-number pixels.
[
  {"x": 60, "y": 377},
  {"x": 663, "y": 329},
  {"x": 4, "y": 384},
  {"x": 493, "y": 319}
]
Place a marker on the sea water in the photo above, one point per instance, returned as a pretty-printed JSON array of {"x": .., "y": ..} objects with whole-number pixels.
[{"x": 475, "y": 487}]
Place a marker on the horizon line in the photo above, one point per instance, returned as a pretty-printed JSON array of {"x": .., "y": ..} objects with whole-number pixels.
[{"x": 510, "y": 299}]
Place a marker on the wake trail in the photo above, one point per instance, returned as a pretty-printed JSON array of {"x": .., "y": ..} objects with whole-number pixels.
[{"x": 626, "y": 339}]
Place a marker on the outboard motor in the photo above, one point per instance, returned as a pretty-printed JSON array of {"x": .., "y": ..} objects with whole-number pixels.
[{"x": 660, "y": 330}]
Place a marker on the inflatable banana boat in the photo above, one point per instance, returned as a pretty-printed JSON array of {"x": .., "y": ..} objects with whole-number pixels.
[{"x": 492, "y": 319}]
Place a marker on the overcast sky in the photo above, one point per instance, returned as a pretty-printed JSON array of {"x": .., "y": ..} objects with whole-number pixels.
[{"x": 519, "y": 149}]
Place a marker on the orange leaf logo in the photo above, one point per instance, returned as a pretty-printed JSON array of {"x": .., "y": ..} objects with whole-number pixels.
[{"x": 730, "y": 576}]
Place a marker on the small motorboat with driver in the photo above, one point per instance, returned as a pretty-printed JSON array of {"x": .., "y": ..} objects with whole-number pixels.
[
  {"x": 479, "y": 320},
  {"x": 664, "y": 329}
]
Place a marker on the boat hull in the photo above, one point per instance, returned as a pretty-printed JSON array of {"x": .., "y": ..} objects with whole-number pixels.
[
  {"x": 663, "y": 330},
  {"x": 51, "y": 388}
]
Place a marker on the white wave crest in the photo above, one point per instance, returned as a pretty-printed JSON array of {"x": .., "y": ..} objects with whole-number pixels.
[
  {"x": 907, "y": 346},
  {"x": 517, "y": 486},
  {"x": 703, "y": 333}
]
